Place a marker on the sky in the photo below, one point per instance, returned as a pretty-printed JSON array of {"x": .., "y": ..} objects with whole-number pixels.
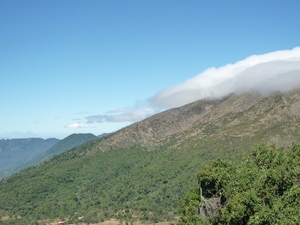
[{"x": 96, "y": 66}]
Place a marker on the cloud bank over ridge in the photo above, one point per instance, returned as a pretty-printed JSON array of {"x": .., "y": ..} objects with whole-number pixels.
[
  {"x": 275, "y": 71},
  {"x": 122, "y": 115}
]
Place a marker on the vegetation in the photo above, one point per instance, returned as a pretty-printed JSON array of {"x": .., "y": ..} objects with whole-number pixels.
[
  {"x": 141, "y": 171},
  {"x": 123, "y": 183},
  {"x": 263, "y": 189}
]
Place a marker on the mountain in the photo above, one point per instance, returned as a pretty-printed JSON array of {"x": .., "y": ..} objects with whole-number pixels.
[
  {"x": 14, "y": 152},
  {"x": 233, "y": 121},
  {"x": 141, "y": 171},
  {"x": 63, "y": 145}
]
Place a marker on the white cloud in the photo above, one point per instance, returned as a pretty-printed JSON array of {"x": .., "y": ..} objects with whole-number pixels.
[
  {"x": 78, "y": 125},
  {"x": 122, "y": 115},
  {"x": 275, "y": 71}
]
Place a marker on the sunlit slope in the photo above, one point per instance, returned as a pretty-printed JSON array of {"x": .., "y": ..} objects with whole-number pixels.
[{"x": 143, "y": 169}]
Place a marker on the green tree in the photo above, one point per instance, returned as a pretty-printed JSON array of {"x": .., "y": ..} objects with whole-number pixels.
[{"x": 263, "y": 189}]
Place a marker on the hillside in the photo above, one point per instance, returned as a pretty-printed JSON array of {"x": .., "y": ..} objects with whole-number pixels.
[
  {"x": 233, "y": 117},
  {"x": 142, "y": 170},
  {"x": 63, "y": 145},
  {"x": 14, "y": 152}
]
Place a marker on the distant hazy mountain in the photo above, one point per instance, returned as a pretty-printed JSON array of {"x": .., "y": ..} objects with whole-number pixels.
[
  {"x": 61, "y": 146},
  {"x": 14, "y": 152}
]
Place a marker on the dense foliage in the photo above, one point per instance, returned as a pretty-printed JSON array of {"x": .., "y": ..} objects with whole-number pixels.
[
  {"x": 123, "y": 183},
  {"x": 263, "y": 189}
]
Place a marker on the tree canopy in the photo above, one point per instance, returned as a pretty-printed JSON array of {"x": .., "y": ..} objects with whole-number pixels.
[{"x": 263, "y": 189}]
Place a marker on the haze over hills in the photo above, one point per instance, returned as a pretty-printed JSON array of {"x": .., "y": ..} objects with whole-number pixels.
[
  {"x": 142, "y": 170},
  {"x": 67, "y": 143},
  {"x": 63, "y": 145},
  {"x": 14, "y": 152}
]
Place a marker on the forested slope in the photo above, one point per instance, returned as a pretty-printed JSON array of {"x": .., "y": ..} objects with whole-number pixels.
[{"x": 144, "y": 169}]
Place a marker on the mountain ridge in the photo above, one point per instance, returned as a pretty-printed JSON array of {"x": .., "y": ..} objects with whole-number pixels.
[
  {"x": 158, "y": 127},
  {"x": 140, "y": 171}
]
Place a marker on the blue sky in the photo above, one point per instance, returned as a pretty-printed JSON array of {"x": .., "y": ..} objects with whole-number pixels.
[{"x": 97, "y": 66}]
